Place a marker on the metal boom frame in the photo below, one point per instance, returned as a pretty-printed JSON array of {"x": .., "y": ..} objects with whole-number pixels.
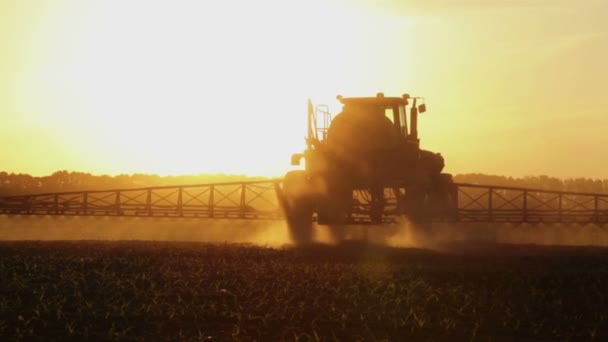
[{"x": 261, "y": 200}]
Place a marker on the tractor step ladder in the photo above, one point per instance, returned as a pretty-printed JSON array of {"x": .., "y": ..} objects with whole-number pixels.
[{"x": 322, "y": 125}]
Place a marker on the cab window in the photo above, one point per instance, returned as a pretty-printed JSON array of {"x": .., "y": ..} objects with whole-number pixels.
[
  {"x": 388, "y": 112},
  {"x": 403, "y": 121}
]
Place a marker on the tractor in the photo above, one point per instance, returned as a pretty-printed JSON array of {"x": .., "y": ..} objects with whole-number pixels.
[{"x": 370, "y": 147}]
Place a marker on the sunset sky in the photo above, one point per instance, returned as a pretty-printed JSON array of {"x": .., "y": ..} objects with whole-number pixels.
[{"x": 512, "y": 87}]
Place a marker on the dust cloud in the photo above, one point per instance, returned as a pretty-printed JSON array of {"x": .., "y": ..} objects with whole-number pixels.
[
  {"x": 450, "y": 237},
  {"x": 485, "y": 237},
  {"x": 439, "y": 236},
  {"x": 268, "y": 233}
]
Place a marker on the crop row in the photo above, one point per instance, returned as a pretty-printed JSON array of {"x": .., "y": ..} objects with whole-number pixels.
[{"x": 137, "y": 290}]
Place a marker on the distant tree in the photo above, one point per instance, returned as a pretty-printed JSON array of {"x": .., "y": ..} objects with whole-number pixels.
[{"x": 16, "y": 184}]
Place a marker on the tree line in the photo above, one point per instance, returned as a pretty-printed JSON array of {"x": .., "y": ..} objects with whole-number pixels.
[{"x": 21, "y": 184}]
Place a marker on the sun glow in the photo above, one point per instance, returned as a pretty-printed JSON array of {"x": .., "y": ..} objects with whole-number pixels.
[
  {"x": 188, "y": 87},
  {"x": 191, "y": 86}
]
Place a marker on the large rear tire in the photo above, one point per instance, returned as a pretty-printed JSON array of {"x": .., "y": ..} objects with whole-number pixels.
[
  {"x": 443, "y": 197},
  {"x": 299, "y": 222},
  {"x": 418, "y": 205},
  {"x": 298, "y": 206}
]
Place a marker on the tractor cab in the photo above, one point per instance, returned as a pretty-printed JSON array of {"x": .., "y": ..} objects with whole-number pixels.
[
  {"x": 388, "y": 114},
  {"x": 393, "y": 108}
]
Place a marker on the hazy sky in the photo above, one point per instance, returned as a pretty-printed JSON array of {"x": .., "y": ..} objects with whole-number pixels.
[{"x": 119, "y": 86}]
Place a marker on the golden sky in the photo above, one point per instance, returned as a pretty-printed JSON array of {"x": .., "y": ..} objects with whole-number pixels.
[{"x": 171, "y": 87}]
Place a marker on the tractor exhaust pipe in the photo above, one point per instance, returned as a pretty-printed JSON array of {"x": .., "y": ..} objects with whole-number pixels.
[
  {"x": 414, "y": 121},
  {"x": 311, "y": 130}
]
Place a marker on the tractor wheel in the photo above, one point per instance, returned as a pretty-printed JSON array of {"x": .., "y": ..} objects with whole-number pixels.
[
  {"x": 336, "y": 219},
  {"x": 335, "y": 208},
  {"x": 443, "y": 196},
  {"x": 418, "y": 206},
  {"x": 298, "y": 206},
  {"x": 299, "y": 221},
  {"x": 377, "y": 204}
]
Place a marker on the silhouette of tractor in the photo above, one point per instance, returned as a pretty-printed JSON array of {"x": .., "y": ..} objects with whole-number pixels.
[{"x": 371, "y": 146}]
